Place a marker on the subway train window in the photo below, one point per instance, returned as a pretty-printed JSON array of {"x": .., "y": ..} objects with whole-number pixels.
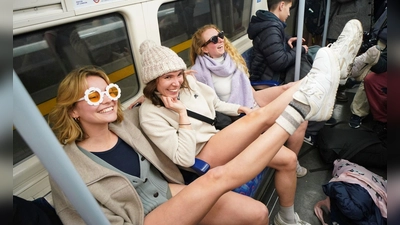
[
  {"x": 42, "y": 58},
  {"x": 180, "y": 19}
]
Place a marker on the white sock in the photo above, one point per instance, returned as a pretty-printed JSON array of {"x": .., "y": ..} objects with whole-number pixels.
[{"x": 287, "y": 214}]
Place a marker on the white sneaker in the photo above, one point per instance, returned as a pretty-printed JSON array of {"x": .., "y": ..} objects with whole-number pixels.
[
  {"x": 347, "y": 46},
  {"x": 300, "y": 171},
  {"x": 318, "y": 89},
  {"x": 279, "y": 221},
  {"x": 364, "y": 62}
]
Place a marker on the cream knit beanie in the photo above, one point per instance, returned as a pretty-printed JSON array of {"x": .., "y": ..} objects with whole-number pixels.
[{"x": 158, "y": 60}]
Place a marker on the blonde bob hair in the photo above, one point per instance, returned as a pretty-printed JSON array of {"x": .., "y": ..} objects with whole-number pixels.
[
  {"x": 71, "y": 89},
  {"x": 197, "y": 43}
]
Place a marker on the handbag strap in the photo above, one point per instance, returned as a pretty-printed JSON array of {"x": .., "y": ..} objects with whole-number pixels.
[{"x": 200, "y": 117}]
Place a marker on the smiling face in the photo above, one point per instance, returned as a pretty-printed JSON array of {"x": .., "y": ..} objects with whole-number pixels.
[
  {"x": 213, "y": 50},
  {"x": 104, "y": 113},
  {"x": 170, "y": 83}
]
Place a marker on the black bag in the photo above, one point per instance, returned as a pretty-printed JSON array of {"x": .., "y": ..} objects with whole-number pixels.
[
  {"x": 220, "y": 121},
  {"x": 314, "y": 16},
  {"x": 362, "y": 146}
]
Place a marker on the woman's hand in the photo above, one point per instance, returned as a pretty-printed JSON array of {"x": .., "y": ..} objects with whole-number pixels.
[
  {"x": 177, "y": 106},
  {"x": 287, "y": 86},
  {"x": 173, "y": 104},
  {"x": 140, "y": 100},
  {"x": 245, "y": 110}
]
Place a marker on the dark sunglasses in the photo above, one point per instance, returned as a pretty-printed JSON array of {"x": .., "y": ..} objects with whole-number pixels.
[{"x": 214, "y": 39}]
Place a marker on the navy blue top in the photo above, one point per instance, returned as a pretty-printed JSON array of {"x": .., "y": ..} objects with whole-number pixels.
[{"x": 129, "y": 164}]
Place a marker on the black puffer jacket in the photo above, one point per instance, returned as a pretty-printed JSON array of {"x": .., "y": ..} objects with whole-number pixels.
[{"x": 271, "y": 53}]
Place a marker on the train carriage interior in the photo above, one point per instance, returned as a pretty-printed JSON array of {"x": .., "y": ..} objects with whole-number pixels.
[{"x": 46, "y": 47}]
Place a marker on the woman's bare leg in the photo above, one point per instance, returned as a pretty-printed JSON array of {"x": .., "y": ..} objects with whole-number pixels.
[
  {"x": 230, "y": 141},
  {"x": 267, "y": 95},
  {"x": 229, "y": 209},
  {"x": 295, "y": 141},
  {"x": 193, "y": 203},
  {"x": 284, "y": 163}
]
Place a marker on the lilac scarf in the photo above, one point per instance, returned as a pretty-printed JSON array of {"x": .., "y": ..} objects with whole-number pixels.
[{"x": 242, "y": 92}]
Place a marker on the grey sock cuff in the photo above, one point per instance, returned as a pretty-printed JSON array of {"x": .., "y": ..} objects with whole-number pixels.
[
  {"x": 300, "y": 107},
  {"x": 290, "y": 119}
]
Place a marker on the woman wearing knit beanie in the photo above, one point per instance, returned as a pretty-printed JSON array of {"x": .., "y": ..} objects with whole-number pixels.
[{"x": 170, "y": 91}]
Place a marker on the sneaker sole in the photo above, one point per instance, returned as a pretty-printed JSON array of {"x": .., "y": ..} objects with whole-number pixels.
[
  {"x": 353, "y": 34},
  {"x": 318, "y": 89}
]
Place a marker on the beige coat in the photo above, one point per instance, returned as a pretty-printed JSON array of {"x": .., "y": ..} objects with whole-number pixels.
[
  {"x": 115, "y": 194},
  {"x": 161, "y": 125}
]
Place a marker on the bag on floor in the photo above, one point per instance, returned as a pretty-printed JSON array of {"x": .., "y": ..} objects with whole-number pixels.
[
  {"x": 355, "y": 196},
  {"x": 361, "y": 146}
]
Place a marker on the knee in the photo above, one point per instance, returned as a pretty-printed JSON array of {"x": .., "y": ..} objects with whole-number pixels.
[
  {"x": 291, "y": 161},
  {"x": 217, "y": 177},
  {"x": 286, "y": 161},
  {"x": 215, "y": 174},
  {"x": 259, "y": 116},
  {"x": 260, "y": 214}
]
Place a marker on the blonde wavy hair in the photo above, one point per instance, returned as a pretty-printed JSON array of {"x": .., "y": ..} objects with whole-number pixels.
[
  {"x": 197, "y": 43},
  {"x": 71, "y": 89}
]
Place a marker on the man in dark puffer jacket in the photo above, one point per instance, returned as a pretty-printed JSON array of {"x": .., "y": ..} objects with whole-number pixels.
[{"x": 274, "y": 53}]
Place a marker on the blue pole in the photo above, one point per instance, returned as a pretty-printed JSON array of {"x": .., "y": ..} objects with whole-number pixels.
[
  {"x": 300, "y": 23},
  {"x": 37, "y": 134}
]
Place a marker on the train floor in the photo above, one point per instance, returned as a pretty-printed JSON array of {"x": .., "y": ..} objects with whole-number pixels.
[{"x": 309, "y": 188}]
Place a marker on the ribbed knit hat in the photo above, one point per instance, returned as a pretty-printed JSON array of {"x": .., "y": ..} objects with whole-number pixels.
[{"x": 158, "y": 60}]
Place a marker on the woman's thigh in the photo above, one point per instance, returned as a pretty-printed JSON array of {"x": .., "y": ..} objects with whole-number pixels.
[
  {"x": 265, "y": 96},
  {"x": 229, "y": 209}
]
